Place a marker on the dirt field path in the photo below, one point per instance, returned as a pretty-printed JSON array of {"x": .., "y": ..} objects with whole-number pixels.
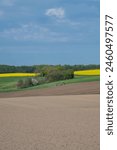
[
  {"x": 50, "y": 123},
  {"x": 69, "y": 89}
]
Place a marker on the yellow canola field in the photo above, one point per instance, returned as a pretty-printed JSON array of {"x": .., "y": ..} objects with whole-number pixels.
[
  {"x": 87, "y": 72},
  {"x": 19, "y": 74}
]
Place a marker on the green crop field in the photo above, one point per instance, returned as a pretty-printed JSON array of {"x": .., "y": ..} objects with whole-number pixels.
[{"x": 8, "y": 84}]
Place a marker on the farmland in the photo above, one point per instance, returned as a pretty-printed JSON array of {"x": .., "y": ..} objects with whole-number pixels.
[
  {"x": 88, "y": 72},
  {"x": 19, "y": 74},
  {"x": 45, "y": 76},
  {"x": 49, "y": 123},
  {"x": 8, "y": 84},
  {"x": 51, "y": 111}
]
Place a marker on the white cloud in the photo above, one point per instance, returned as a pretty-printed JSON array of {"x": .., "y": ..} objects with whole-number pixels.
[
  {"x": 59, "y": 13},
  {"x": 56, "y": 12}
]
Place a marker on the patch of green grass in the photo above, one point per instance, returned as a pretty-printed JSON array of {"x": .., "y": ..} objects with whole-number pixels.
[{"x": 8, "y": 84}]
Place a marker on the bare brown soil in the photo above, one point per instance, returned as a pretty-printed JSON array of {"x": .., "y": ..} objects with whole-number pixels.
[
  {"x": 70, "y": 89},
  {"x": 50, "y": 122}
]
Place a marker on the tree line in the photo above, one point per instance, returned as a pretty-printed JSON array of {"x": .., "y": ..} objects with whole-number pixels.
[{"x": 44, "y": 69}]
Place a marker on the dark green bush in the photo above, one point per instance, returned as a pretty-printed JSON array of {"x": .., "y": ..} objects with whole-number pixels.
[
  {"x": 59, "y": 75},
  {"x": 52, "y": 75}
]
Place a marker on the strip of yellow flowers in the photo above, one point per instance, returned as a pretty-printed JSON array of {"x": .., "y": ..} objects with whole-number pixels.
[
  {"x": 80, "y": 73},
  {"x": 19, "y": 74},
  {"x": 87, "y": 72}
]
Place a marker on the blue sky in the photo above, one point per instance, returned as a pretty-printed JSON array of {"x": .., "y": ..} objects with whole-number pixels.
[{"x": 49, "y": 32}]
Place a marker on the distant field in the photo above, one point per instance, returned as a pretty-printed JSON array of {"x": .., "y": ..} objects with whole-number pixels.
[
  {"x": 8, "y": 84},
  {"x": 87, "y": 72},
  {"x": 18, "y": 75},
  {"x": 93, "y": 72}
]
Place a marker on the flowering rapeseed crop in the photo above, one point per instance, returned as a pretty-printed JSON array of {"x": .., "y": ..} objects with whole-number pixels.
[
  {"x": 87, "y": 72},
  {"x": 19, "y": 74}
]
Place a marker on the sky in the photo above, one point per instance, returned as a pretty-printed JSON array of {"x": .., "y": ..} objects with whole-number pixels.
[{"x": 49, "y": 32}]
